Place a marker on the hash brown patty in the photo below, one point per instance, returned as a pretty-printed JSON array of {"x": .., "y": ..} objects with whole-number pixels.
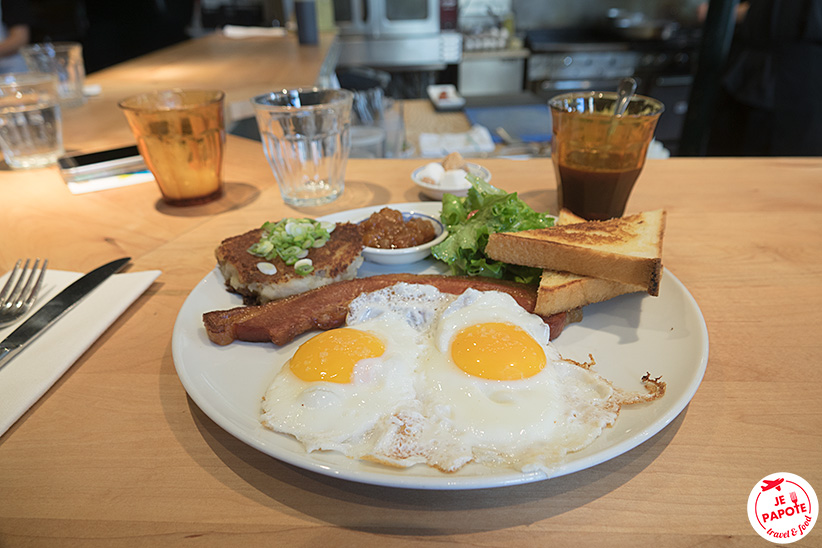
[{"x": 339, "y": 259}]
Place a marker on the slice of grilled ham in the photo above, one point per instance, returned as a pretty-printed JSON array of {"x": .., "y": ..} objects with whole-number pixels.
[{"x": 326, "y": 307}]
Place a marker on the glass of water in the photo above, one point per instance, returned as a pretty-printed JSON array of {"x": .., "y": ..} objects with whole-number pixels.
[
  {"x": 305, "y": 135},
  {"x": 64, "y": 59},
  {"x": 31, "y": 133}
]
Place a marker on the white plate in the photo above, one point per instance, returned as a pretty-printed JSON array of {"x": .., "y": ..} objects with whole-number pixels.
[{"x": 628, "y": 336}]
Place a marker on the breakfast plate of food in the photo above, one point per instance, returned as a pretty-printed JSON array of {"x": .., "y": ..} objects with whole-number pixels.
[{"x": 397, "y": 416}]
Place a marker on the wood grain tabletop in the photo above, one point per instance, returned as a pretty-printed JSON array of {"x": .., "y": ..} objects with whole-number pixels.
[{"x": 117, "y": 454}]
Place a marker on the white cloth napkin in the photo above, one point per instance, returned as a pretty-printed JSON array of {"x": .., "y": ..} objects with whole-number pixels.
[
  {"x": 477, "y": 140},
  {"x": 236, "y": 31},
  {"x": 27, "y": 376}
]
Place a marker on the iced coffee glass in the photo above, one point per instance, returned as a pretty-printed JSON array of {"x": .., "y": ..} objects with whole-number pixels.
[
  {"x": 598, "y": 156},
  {"x": 181, "y": 135}
]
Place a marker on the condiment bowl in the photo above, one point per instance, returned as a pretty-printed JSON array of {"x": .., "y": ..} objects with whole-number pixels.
[
  {"x": 436, "y": 192},
  {"x": 406, "y": 255}
]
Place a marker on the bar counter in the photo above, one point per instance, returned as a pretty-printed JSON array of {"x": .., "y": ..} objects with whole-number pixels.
[
  {"x": 241, "y": 67},
  {"x": 117, "y": 454}
]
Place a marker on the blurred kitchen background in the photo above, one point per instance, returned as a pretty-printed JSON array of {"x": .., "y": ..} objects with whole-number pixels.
[
  {"x": 496, "y": 52},
  {"x": 499, "y": 52}
]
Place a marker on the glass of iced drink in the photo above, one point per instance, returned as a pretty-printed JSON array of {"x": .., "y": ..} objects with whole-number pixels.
[
  {"x": 598, "y": 156},
  {"x": 306, "y": 139},
  {"x": 31, "y": 133},
  {"x": 181, "y": 136}
]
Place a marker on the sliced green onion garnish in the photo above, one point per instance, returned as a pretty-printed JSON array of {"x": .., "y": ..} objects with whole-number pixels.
[
  {"x": 303, "y": 267},
  {"x": 290, "y": 239}
]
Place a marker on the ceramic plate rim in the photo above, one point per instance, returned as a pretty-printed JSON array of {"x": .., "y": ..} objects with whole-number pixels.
[{"x": 197, "y": 363}]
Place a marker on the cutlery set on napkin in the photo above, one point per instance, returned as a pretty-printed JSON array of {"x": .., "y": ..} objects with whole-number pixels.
[{"x": 71, "y": 312}]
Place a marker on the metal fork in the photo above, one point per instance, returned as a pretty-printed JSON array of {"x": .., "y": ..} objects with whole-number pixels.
[{"x": 17, "y": 296}]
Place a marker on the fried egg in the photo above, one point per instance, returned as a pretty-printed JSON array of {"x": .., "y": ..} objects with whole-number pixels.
[
  {"x": 418, "y": 376},
  {"x": 504, "y": 392},
  {"x": 341, "y": 382}
]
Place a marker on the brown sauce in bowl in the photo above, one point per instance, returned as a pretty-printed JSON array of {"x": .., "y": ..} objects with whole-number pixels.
[{"x": 386, "y": 229}]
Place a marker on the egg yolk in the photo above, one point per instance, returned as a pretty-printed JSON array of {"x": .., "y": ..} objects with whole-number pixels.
[
  {"x": 332, "y": 355},
  {"x": 497, "y": 351}
]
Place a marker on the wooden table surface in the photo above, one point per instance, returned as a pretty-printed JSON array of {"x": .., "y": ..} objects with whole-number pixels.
[{"x": 116, "y": 454}]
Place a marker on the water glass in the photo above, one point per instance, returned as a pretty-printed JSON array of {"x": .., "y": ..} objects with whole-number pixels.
[
  {"x": 64, "y": 59},
  {"x": 393, "y": 122},
  {"x": 306, "y": 139},
  {"x": 181, "y": 136},
  {"x": 31, "y": 133}
]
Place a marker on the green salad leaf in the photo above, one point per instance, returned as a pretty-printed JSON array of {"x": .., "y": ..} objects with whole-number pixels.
[{"x": 469, "y": 220}]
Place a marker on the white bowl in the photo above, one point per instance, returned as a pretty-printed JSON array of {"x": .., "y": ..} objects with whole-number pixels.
[
  {"x": 436, "y": 191},
  {"x": 406, "y": 255}
]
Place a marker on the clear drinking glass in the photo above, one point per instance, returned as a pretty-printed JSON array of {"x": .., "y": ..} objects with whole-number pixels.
[
  {"x": 306, "y": 139},
  {"x": 31, "y": 132},
  {"x": 181, "y": 135},
  {"x": 65, "y": 60},
  {"x": 598, "y": 156}
]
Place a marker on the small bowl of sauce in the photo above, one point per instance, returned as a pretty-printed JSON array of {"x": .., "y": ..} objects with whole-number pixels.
[{"x": 394, "y": 237}]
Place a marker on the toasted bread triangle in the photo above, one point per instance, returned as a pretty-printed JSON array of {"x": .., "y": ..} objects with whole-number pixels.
[
  {"x": 627, "y": 250},
  {"x": 560, "y": 291},
  {"x": 637, "y": 235},
  {"x": 568, "y": 217}
]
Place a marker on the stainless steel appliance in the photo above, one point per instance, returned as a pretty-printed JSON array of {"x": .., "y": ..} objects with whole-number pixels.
[
  {"x": 565, "y": 60},
  {"x": 576, "y": 60},
  {"x": 666, "y": 71},
  {"x": 375, "y": 18},
  {"x": 396, "y": 34}
]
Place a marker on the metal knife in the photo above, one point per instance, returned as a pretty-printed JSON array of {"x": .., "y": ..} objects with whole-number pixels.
[{"x": 55, "y": 308}]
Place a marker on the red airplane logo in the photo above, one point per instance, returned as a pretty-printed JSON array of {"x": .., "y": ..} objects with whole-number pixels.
[{"x": 770, "y": 484}]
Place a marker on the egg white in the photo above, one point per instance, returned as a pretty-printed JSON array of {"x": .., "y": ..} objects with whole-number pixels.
[
  {"x": 525, "y": 423},
  {"x": 414, "y": 405},
  {"x": 341, "y": 416}
]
